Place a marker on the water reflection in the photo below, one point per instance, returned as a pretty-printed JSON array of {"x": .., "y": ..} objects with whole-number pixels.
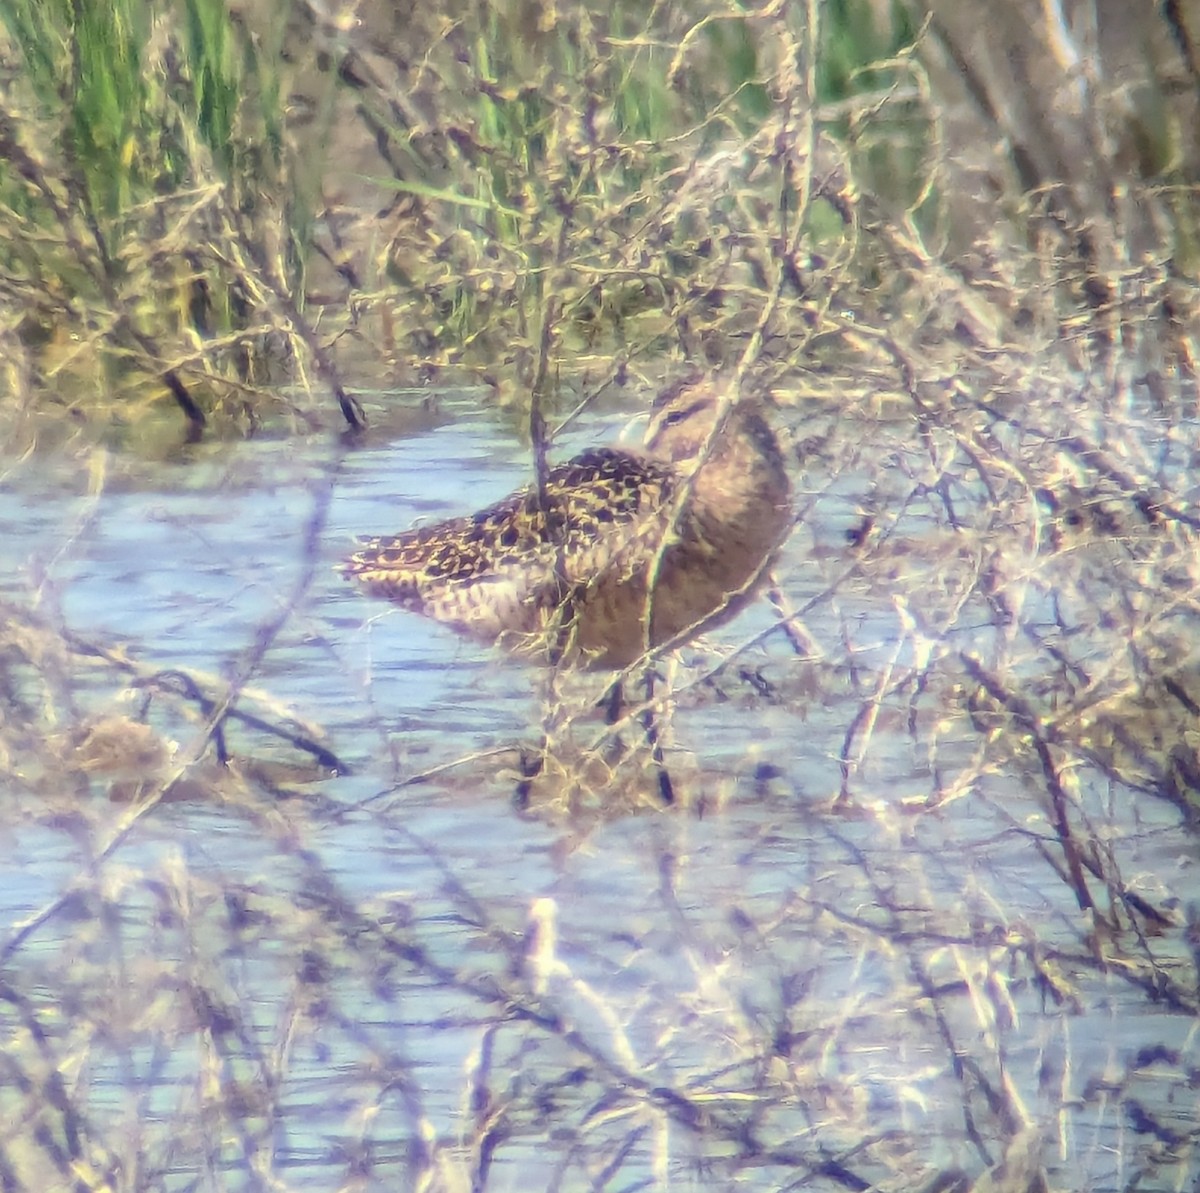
[{"x": 340, "y": 969}]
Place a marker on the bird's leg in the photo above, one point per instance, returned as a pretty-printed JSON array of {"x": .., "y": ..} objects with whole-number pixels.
[
  {"x": 561, "y": 629},
  {"x": 666, "y": 790},
  {"x": 532, "y": 763},
  {"x": 613, "y": 701},
  {"x": 532, "y": 760}
]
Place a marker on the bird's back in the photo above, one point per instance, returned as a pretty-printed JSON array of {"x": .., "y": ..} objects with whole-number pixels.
[
  {"x": 621, "y": 550},
  {"x": 501, "y": 572}
]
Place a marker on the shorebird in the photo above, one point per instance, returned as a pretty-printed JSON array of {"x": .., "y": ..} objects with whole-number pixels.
[{"x": 621, "y": 551}]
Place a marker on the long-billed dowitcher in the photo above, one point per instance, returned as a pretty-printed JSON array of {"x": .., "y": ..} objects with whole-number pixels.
[{"x": 622, "y": 550}]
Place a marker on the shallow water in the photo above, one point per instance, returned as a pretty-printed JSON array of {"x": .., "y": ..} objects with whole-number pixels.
[{"x": 681, "y": 937}]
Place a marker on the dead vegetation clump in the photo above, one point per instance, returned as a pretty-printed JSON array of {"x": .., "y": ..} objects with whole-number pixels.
[{"x": 931, "y": 926}]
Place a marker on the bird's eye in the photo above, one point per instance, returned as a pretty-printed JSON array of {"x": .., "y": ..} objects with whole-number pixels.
[{"x": 675, "y": 417}]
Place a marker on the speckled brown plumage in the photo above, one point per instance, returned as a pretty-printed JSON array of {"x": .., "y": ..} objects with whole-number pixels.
[{"x": 628, "y": 549}]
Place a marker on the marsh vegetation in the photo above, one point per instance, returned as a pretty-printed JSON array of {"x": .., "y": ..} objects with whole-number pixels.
[{"x": 924, "y": 915}]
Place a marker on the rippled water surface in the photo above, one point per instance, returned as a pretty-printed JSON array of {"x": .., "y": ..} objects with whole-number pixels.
[{"x": 672, "y": 941}]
